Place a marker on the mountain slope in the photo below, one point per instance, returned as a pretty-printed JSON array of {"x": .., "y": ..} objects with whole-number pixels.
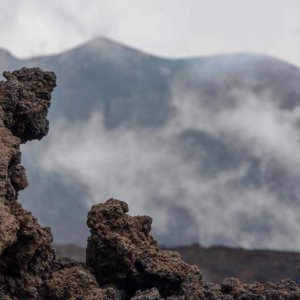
[
  {"x": 219, "y": 262},
  {"x": 207, "y": 146}
]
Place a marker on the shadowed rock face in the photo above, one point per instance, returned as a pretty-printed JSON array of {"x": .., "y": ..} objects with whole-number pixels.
[
  {"x": 123, "y": 259},
  {"x": 26, "y": 253}
]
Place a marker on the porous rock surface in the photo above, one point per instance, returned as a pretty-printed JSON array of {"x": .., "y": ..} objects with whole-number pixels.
[
  {"x": 122, "y": 250},
  {"x": 123, "y": 259},
  {"x": 27, "y": 257}
]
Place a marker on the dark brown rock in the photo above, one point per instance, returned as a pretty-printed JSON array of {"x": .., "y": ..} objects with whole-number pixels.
[
  {"x": 229, "y": 285},
  {"x": 27, "y": 260},
  {"x": 9, "y": 227},
  {"x": 152, "y": 294},
  {"x": 121, "y": 250},
  {"x": 76, "y": 283},
  {"x": 28, "y": 269}
]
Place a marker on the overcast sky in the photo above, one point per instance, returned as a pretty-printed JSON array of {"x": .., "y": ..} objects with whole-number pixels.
[{"x": 172, "y": 28}]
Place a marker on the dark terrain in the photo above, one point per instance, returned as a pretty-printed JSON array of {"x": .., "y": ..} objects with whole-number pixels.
[{"x": 123, "y": 261}]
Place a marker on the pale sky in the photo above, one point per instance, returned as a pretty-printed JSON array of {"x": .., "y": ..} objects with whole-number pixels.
[{"x": 170, "y": 28}]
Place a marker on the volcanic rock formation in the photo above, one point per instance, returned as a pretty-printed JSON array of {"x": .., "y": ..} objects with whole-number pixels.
[
  {"x": 123, "y": 259},
  {"x": 26, "y": 253}
]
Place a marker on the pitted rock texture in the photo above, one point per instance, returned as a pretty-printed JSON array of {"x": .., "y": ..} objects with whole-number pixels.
[
  {"x": 122, "y": 250},
  {"x": 76, "y": 282},
  {"x": 152, "y": 294},
  {"x": 26, "y": 253},
  {"x": 123, "y": 260}
]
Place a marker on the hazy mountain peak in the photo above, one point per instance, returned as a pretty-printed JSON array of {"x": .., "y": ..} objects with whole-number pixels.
[
  {"x": 7, "y": 61},
  {"x": 4, "y": 53},
  {"x": 107, "y": 49},
  {"x": 226, "y": 125}
]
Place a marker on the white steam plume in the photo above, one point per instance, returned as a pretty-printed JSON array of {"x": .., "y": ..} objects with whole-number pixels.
[{"x": 151, "y": 171}]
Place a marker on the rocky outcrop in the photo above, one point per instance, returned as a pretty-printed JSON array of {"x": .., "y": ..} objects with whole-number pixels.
[
  {"x": 26, "y": 253},
  {"x": 123, "y": 259},
  {"x": 121, "y": 250},
  {"x": 232, "y": 289}
]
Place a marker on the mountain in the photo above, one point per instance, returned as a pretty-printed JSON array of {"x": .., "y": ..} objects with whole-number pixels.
[
  {"x": 207, "y": 146},
  {"x": 123, "y": 260}
]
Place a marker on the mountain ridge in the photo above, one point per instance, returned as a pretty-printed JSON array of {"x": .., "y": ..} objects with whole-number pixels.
[
  {"x": 199, "y": 119},
  {"x": 107, "y": 42}
]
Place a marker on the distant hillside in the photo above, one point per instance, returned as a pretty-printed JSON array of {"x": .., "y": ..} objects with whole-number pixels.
[
  {"x": 246, "y": 265},
  {"x": 207, "y": 146},
  {"x": 217, "y": 263}
]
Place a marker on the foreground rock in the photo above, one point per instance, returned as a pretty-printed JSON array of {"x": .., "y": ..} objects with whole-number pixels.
[
  {"x": 26, "y": 252},
  {"x": 122, "y": 250},
  {"x": 123, "y": 259}
]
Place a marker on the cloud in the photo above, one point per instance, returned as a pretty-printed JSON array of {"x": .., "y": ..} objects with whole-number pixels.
[
  {"x": 262, "y": 125},
  {"x": 169, "y": 28},
  {"x": 193, "y": 198}
]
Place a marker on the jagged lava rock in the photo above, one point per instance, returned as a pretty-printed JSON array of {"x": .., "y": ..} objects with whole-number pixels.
[
  {"x": 123, "y": 260},
  {"x": 121, "y": 250},
  {"x": 27, "y": 257},
  {"x": 152, "y": 294},
  {"x": 76, "y": 282}
]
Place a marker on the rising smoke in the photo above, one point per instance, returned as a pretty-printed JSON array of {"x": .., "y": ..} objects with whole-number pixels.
[{"x": 222, "y": 173}]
